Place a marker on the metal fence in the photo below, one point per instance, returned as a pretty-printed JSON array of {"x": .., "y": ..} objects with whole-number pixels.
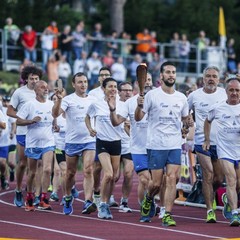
[{"x": 213, "y": 55}]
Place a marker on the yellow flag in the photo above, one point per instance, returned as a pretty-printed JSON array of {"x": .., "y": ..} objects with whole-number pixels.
[{"x": 221, "y": 23}]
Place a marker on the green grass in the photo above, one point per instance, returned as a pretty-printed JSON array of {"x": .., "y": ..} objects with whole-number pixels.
[{"x": 9, "y": 79}]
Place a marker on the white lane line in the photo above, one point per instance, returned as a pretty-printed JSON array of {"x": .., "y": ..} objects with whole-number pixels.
[
  {"x": 51, "y": 230},
  {"x": 133, "y": 224}
]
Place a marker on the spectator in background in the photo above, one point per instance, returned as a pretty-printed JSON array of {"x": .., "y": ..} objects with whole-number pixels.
[
  {"x": 153, "y": 46},
  {"x": 108, "y": 59},
  {"x": 80, "y": 65},
  {"x": 79, "y": 38},
  {"x": 52, "y": 66},
  {"x": 175, "y": 48},
  {"x": 47, "y": 47},
  {"x": 231, "y": 56},
  {"x": 94, "y": 65},
  {"x": 54, "y": 29},
  {"x": 112, "y": 45},
  {"x": 96, "y": 37},
  {"x": 133, "y": 66},
  {"x": 184, "y": 53},
  {"x": 126, "y": 46},
  {"x": 66, "y": 43},
  {"x": 29, "y": 42},
  {"x": 144, "y": 42},
  {"x": 12, "y": 34},
  {"x": 202, "y": 43},
  {"x": 64, "y": 70},
  {"x": 119, "y": 71}
]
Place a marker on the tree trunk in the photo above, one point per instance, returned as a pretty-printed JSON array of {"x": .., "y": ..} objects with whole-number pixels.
[{"x": 117, "y": 15}]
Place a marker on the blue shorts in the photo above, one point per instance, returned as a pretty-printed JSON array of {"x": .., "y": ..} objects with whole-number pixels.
[
  {"x": 21, "y": 140},
  {"x": 140, "y": 162},
  {"x": 74, "y": 149},
  {"x": 212, "y": 152},
  {"x": 234, "y": 162},
  {"x": 158, "y": 159},
  {"x": 37, "y": 153},
  {"x": 4, "y": 152}
]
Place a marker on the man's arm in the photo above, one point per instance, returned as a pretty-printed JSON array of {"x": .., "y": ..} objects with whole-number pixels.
[
  {"x": 139, "y": 114},
  {"x": 56, "y": 110},
  {"x": 89, "y": 126},
  {"x": 11, "y": 111},
  {"x": 25, "y": 122}
]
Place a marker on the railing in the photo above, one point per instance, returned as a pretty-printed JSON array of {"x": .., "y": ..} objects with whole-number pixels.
[{"x": 214, "y": 55}]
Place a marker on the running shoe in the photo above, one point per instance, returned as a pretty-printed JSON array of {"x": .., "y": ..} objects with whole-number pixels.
[
  {"x": 18, "y": 199},
  {"x": 44, "y": 205},
  {"x": 68, "y": 205},
  {"x": 112, "y": 202},
  {"x": 153, "y": 209},
  {"x": 125, "y": 208},
  {"x": 74, "y": 192},
  {"x": 227, "y": 211},
  {"x": 235, "y": 220},
  {"x": 29, "y": 206},
  {"x": 54, "y": 197},
  {"x": 11, "y": 175},
  {"x": 109, "y": 214},
  {"x": 4, "y": 183},
  {"x": 146, "y": 207},
  {"x": 36, "y": 200},
  {"x": 145, "y": 219},
  {"x": 211, "y": 217},
  {"x": 168, "y": 220},
  {"x": 89, "y": 207},
  {"x": 214, "y": 206},
  {"x": 102, "y": 211}
]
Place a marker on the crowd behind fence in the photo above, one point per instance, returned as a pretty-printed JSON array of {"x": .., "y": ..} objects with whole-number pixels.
[{"x": 213, "y": 55}]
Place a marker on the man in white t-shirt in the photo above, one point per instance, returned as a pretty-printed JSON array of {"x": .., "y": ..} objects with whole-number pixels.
[
  {"x": 31, "y": 75},
  {"x": 200, "y": 101},
  {"x": 78, "y": 141},
  {"x": 138, "y": 133},
  {"x": 166, "y": 109},
  {"x": 227, "y": 121},
  {"x": 36, "y": 115}
]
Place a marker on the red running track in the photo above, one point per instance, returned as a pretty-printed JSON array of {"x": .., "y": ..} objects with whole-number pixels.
[{"x": 53, "y": 225}]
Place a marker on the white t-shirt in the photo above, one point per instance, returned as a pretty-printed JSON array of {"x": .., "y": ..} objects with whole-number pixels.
[
  {"x": 119, "y": 72},
  {"x": 201, "y": 102},
  {"x": 165, "y": 112},
  {"x": 59, "y": 137},
  {"x": 138, "y": 130},
  {"x": 125, "y": 138},
  {"x": 105, "y": 130},
  {"x": 76, "y": 108},
  {"x": 227, "y": 119},
  {"x": 4, "y": 133},
  {"x": 97, "y": 93},
  {"x": 18, "y": 99},
  {"x": 38, "y": 134}
]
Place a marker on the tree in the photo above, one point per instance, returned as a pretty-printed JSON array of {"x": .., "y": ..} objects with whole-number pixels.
[{"x": 117, "y": 15}]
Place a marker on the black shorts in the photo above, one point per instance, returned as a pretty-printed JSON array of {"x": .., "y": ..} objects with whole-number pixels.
[
  {"x": 12, "y": 148},
  {"x": 113, "y": 147},
  {"x": 127, "y": 156},
  {"x": 60, "y": 156}
]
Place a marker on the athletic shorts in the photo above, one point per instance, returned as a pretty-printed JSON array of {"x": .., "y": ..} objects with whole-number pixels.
[
  {"x": 126, "y": 156},
  {"x": 12, "y": 148},
  {"x": 37, "y": 153},
  {"x": 21, "y": 140},
  {"x": 113, "y": 147},
  {"x": 140, "y": 162},
  {"x": 60, "y": 155},
  {"x": 212, "y": 152},
  {"x": 236, "y": 163},
  {"x": 158, "y": 159},
  {"x": 4, "y": 152},
  {"x": 74, "y": 149}
]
